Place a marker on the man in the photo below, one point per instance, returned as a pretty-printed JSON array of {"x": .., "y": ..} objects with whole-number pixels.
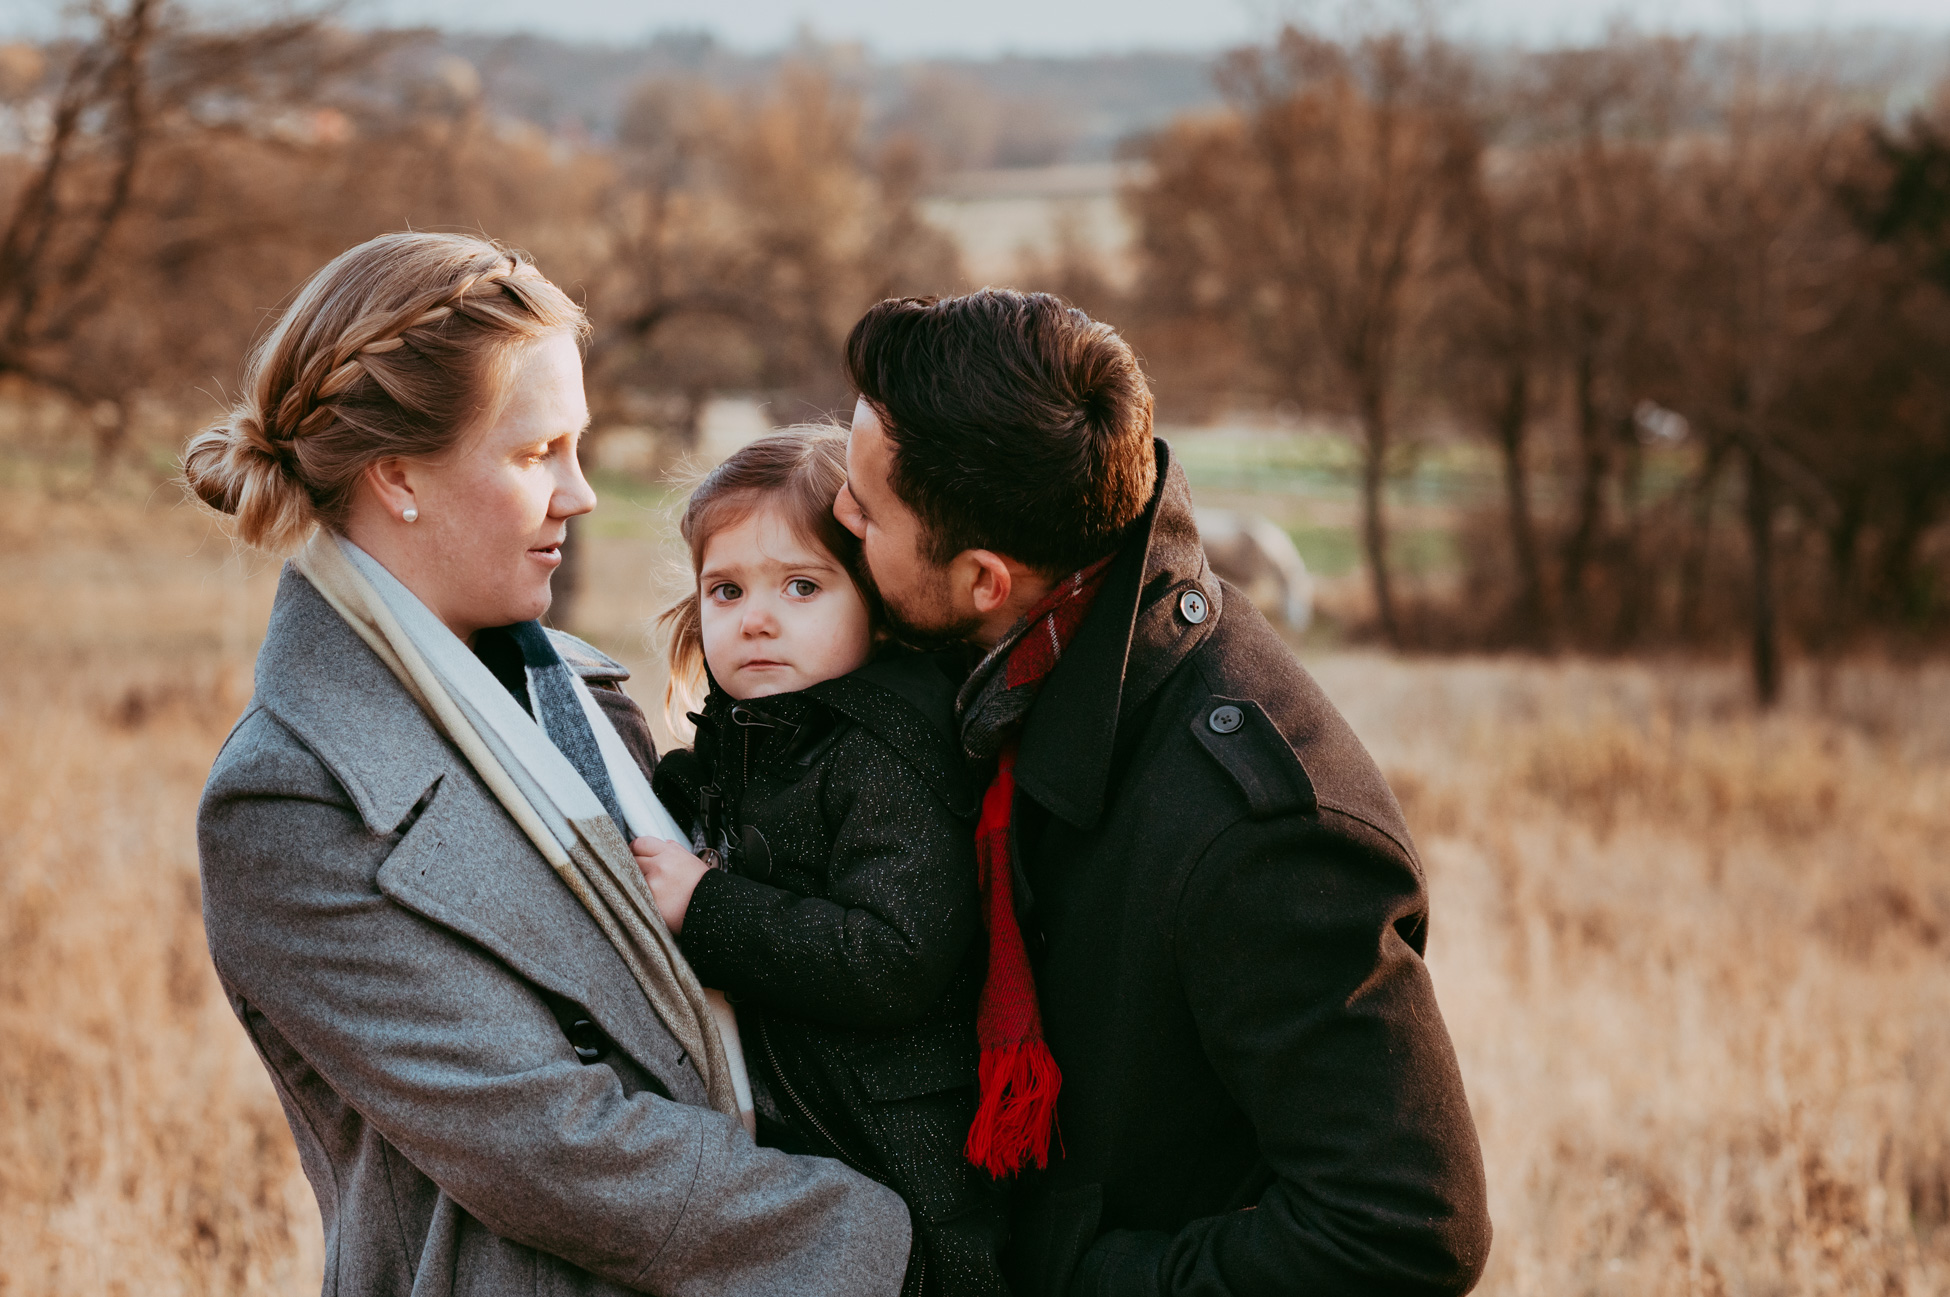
[{"x": 1221, "y": 904}]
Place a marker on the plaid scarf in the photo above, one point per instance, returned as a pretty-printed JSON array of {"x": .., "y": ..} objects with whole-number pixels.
[{"x": 1019, "y": 1077}]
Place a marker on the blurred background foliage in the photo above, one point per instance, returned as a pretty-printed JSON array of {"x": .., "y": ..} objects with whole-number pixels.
[
  {"x": 1612, "y": 348},
  {"x": 1632, "y": 354}
]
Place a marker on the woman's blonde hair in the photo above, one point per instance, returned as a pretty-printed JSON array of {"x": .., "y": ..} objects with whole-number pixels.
[
  {"x": 398, "y": 347},
  {"x": 800, "y": 470}
]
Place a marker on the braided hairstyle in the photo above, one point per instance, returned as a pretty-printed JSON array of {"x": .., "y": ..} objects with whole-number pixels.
[{"x": 397, "y": 348}]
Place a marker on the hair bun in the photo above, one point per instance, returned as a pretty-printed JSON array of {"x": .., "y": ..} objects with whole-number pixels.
[{"x": 234, "y": 467}]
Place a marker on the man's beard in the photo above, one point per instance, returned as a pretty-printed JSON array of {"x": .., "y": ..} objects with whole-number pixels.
[{"x": 927, "y": 623}]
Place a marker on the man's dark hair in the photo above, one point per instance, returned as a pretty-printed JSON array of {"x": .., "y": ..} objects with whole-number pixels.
[{"x": 1016, "y": 423}]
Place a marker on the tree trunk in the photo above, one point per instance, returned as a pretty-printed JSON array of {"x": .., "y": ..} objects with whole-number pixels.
[
  {"x": 111, "y": 421},
  {"x": 1593, "y": 462},
  {"x": 1634, "y": 577},
  {"x": 1899, "y": 585},
  {"x": 1844, "y": 544},
  {"x": 1766, "y": 627},
  {"x": 690, "y": 426},
  {"x": 681, "y": 439},
  {"x": 1692, "y": 570},
  {"x": 1533, "y": 611},
  {"x": 1374, "y": 522}
]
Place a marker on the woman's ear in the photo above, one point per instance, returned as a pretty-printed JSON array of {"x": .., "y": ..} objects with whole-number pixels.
[{"x": 390, "y": 481}]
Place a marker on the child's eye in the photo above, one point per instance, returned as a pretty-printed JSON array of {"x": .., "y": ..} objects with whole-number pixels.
[
  {"x": 800, "y": 587},
  {"x": 724, "y": 592}
]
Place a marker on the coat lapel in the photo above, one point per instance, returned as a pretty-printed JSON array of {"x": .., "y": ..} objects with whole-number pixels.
[
  {"x": 1132, "y": 638},
  {"x": 464, "y": 864}
]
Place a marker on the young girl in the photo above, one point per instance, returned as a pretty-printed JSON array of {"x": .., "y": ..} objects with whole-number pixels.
[{"x": 831, "y": 889}]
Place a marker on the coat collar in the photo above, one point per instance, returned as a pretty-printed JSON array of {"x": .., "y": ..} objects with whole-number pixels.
[
  {"x": 1134, "y": 636},
  {"x": 322, "y": 683},
  {"x": 476, "y": 873}
]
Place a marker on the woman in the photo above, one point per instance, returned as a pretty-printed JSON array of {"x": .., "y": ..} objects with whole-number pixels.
[{"x": 500, "y": 1075}]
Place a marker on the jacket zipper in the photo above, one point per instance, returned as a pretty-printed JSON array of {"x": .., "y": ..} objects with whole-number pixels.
[
  {"x": 805, "y": 1110},
  {"x": 771, "y": 1056}
]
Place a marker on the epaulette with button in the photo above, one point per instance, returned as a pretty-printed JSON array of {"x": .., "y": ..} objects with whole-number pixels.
[{"x": 1243, "y": 739}]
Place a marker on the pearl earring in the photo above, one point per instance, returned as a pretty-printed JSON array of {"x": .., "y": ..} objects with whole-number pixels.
[{"x": 411, "y": 514}]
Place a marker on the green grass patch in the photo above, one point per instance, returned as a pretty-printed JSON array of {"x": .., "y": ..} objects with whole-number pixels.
[
  {"x": 629, "y": 507},
  {"x": 1336, "y": 551}
]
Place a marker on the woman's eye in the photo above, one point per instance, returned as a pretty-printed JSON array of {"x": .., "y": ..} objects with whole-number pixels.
[
  {"x": 800, "y": 587},
  {"x": 725, "y": 592}
]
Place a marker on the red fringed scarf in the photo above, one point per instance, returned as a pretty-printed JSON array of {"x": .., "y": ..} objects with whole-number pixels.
[{"x": 1019, "y": 1078}]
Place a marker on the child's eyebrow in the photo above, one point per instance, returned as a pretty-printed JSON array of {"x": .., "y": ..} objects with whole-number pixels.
[
  {"x": 809, "y": 561},
  {"x": 813, "y": 556},
  {"x": 819, "y": 564}
]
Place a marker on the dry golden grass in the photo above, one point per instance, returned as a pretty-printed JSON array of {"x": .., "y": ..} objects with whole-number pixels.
[
  {"x": 141, "y": 1148},
  {"x": 1697, "y": 964}
]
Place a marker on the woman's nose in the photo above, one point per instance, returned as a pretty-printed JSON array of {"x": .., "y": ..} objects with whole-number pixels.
[{"x": 573, "y": 494}]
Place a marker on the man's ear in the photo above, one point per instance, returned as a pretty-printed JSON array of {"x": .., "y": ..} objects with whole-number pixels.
[{"x": 994, "y": 580}]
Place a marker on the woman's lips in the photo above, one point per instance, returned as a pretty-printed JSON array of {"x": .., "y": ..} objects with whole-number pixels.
[{"x": 549, "y": 554}]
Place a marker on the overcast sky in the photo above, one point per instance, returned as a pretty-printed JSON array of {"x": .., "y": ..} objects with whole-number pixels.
[{"x": 904, "y": 28}]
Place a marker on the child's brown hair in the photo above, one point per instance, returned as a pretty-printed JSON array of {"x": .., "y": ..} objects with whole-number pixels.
[{"x": 801, "y": 470}]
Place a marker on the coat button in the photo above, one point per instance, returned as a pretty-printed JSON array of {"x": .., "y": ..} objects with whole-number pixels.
[
  {"x": 1192, "y": 607},
  {"x": 587, "y": 1040},
  {"x": 1226, "y": 719}
]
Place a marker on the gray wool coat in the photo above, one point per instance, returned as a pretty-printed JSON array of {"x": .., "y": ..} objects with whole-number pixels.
[{"x": 482, "y": 1098}]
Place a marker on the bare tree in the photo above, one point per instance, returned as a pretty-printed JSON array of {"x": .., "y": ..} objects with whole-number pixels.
[
  {"x": 77, "y": 195},
  {"x": 1761, "y": 253},
  {"x": 1601, "y": 120},
  {"x": 1498, "y": 336},
  {"x": 1319, "y": 222},
  {"x": 747, "y": 235},
  {"x": 150, "y": 187}
]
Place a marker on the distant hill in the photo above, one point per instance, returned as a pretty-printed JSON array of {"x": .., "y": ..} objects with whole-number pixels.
[
  {"x": 1009, "y": 111},
  {"x": 1019, "y": 111}
]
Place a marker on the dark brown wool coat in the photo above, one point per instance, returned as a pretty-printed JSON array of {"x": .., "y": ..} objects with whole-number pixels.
[{"x": 1227, "y": 923}]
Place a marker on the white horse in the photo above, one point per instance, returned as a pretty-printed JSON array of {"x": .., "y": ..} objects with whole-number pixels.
[{"x": 1257, "y": 556}]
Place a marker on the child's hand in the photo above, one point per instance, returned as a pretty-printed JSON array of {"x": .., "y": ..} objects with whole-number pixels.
[{"x": 672, "y": 873}]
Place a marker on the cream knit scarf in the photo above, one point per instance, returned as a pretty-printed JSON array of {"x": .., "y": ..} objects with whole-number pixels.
[{"x": 544, "y": 794}]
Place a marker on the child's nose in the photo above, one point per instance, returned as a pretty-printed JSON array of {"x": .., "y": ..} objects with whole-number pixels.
[{"x": 759, "y": 621}]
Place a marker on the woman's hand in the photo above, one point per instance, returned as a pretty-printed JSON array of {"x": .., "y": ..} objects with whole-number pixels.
[{"x": 672, "y": 873}]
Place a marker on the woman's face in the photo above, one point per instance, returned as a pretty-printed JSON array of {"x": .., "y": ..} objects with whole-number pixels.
[
  {"x": 779, "y": 613},
  {"x": 493, "y": 512}
]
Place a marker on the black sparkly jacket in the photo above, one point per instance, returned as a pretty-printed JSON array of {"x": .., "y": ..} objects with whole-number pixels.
[{"x": 843, "y": 925}]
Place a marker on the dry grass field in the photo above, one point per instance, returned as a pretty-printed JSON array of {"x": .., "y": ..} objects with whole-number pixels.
[{"x": 1697, "y": 963}]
